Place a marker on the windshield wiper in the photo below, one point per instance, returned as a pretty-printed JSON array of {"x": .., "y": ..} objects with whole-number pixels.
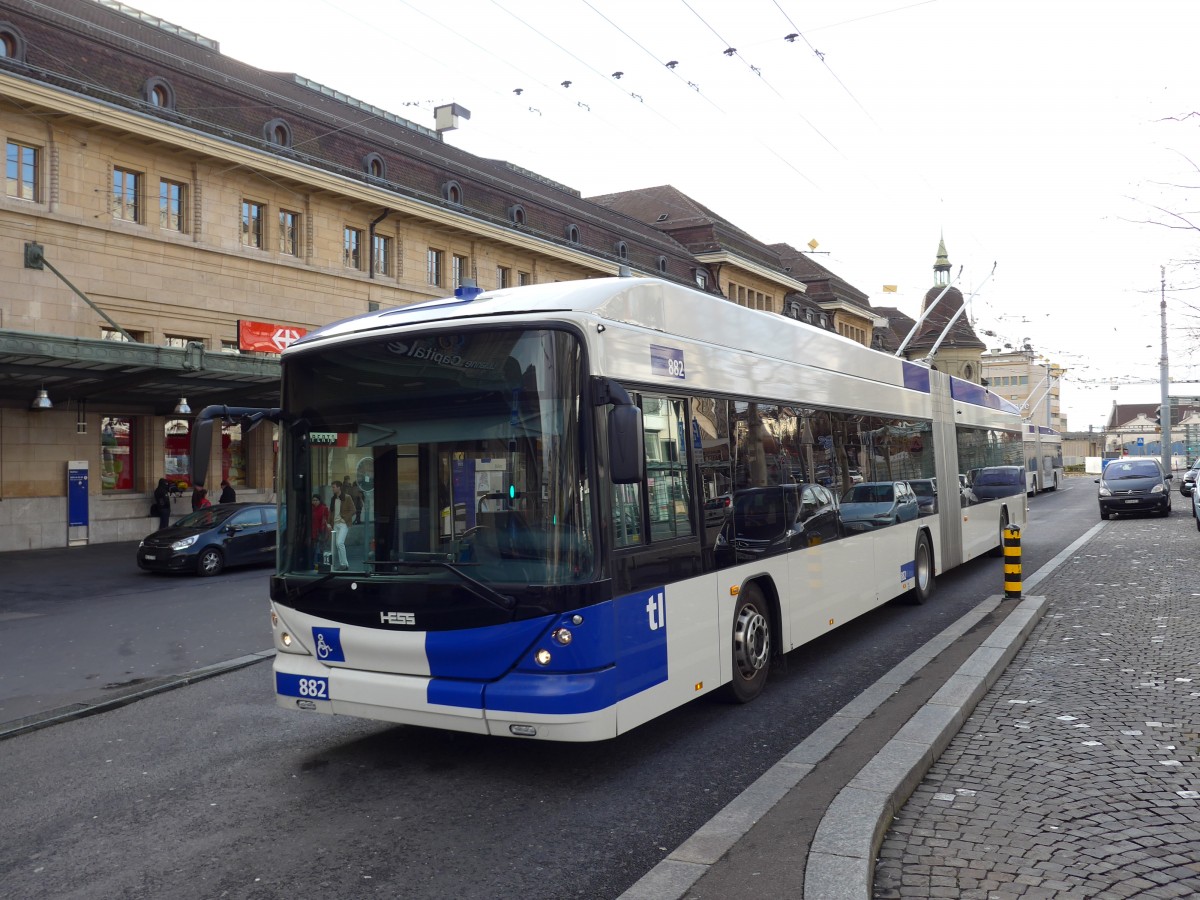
[{"x": 474, "y": 586}]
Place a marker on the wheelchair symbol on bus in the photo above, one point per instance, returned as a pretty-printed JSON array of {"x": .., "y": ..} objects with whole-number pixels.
[
  {"x": 329, "y": 644},
  {"x": 323, "y": 649}
]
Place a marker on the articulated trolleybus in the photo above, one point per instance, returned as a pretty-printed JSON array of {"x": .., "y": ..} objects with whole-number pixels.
[
  {"x": 584, "y": 504},
  {"x": 1043, "y": 458}
]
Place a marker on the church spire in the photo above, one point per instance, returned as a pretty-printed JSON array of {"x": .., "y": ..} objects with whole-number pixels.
[{"x": 941, "y": 268}]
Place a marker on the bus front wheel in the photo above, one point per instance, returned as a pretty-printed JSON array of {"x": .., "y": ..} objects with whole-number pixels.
[{"x": 751, "y": 645}]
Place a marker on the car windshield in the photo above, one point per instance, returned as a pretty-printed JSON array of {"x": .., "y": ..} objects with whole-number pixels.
[
  {"x": 869, "y": 493},
  {"x": 207, "y": 517},
  {"x": 1134, "y": 469},
  {"x": 921, "y": 488}
]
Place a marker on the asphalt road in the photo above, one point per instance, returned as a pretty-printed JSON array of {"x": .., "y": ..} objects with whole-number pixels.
[{"x": 211, "y": 791}]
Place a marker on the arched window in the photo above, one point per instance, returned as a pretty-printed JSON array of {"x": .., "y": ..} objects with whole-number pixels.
[
  {"x": 662, "y": 265},
  {"x": 278, "y": 132},
  {"x": 374, "y": 165},
  {"x": 516, "y": 214},
  {"x": 159, "y": 93},
  {"x": 622, "y": 250},
  {"x": 12, "y": 43},
  {"x": 452, "y": 193},
  {"x": 572, "y": 234}
]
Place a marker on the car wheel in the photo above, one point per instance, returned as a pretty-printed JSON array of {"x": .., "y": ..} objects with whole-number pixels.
[
  {"x": 1164, "y": 512},
  {"x": 1104, "y": 513},
  {"x": 211, "y": 562},
  {"x": 751, "y": 646},
  {"x": 923, "y": 571}
]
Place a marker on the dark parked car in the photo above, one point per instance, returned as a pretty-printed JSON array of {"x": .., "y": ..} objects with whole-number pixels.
[
  {"x": 1134, "y": 484},
  {"x": 209, "y": 539},
  {"x": 769, "y": 520},
  {"x": 998, "y": 481},
  {"x": 1188, "y": 482}
]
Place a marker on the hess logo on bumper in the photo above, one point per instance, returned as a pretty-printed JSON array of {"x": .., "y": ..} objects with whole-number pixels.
[{"x": 397, "y": 618}]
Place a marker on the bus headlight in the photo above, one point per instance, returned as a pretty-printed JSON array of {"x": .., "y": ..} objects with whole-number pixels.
[
  {"x": 285, "y": 639},
  {"x": 542, "y": 657},
  {"x": 562, "y": 636}
]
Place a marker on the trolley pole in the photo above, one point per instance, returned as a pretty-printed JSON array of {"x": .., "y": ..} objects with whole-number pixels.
[{"x": 1012, "y": 562}]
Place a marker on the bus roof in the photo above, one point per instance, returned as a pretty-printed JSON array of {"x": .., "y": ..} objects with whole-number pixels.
[{"x": 675, "y": 311}]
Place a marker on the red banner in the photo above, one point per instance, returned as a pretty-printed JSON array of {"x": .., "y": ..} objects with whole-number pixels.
[{"x": 265, "y": 337}]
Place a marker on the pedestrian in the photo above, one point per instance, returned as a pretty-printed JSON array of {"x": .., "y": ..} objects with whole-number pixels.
[
  {"x": 228, "y": 495},
  {"x": 318, "y": 525},
  {"x": 341, "y": 513},
  {"x": 354, "y": 492},
  {"x": 197, "y": 492},
  {"x": 162, "y": 503},
  {"x": 204, "y": 501}
]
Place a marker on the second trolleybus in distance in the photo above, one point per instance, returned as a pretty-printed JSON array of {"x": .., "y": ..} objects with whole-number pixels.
[
  {"x": 587, "y": 503},
  {"x": 1043, "y": 458}
]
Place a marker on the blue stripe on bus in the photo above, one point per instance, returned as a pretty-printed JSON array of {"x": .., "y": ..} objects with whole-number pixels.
[
  {"x": 916, "y": 378},
  {"x": 481, "y": 653},
  {"x": 619, "y": 650},
  {"x": 977, "y": 395}
]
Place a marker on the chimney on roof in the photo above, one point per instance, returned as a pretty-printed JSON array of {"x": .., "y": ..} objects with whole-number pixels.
[{"x": 445, "y": 118}]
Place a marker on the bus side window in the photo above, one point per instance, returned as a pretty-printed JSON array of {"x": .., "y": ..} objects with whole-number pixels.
[{"x": 627, "y": 515}]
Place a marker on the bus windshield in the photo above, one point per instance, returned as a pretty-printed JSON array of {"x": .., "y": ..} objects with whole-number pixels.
[{"x": 448, "y": 457}]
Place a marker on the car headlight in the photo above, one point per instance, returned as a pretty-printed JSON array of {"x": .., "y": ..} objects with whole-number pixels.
[
  {"x": 185, "y": 543},
  {"x": 1158, "y": 489},
  {"x": 1105, "y": 492}
]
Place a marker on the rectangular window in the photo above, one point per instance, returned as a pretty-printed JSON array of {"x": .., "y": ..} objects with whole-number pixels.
[
  {"x": 433, "y": 267},
  {"x": 126, "y": 195},
  {"x": 170, "y": 205},
  {"x": 233, "y": 455},
  {"x": 352, "y": 247},
  {"x": 289, "y": 232},
  {"x": 702, "y": 280},
  {"x": 22, "y": 171},
  {"x": 458, "y": 270},
  {"x": 116, "y": 454},
  {"x": 252, "y": 223},
  {"x": 503, "y": 277},
  {"x": 180, "y": 342},
  {"x": 523, "y": 278},
  {"x": 231, "y": 348},
  {"x": 382, "y": 247},
  {"x": 177, "y": 450}
]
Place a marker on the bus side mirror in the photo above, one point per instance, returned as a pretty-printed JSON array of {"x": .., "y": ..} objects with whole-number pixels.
[{"x": 626, "y": 452}]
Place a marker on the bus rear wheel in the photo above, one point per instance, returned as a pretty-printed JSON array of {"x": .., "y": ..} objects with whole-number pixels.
[
  {"x": 923, "y": 572},
  {"x": 751, "y": 645}
]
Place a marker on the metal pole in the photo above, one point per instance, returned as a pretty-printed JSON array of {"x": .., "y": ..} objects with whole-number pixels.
[{"x": 1164, "y": 413}]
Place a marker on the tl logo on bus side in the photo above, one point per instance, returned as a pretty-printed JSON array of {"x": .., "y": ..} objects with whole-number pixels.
[{"x": 656, "y": 611}]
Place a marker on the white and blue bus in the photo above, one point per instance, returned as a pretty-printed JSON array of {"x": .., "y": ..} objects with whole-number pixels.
[
  {"x": 584, "y": 504},
  {"x": 1043, "y": 458}
]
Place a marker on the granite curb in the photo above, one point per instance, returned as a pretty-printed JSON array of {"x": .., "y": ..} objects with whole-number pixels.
[
  {"x": 168, "y": 683},
  {"x": 841, "y": 860},
  {"x": 675, "y": 875}
]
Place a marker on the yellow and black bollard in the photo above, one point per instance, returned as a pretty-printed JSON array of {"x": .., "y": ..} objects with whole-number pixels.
[{"x": 1012, "y": 562}]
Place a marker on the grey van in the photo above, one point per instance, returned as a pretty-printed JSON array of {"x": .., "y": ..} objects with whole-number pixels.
[{"x": 1134, "y": 484}]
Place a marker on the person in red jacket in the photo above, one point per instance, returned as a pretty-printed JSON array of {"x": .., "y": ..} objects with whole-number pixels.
[{"x": 318, "y": 525}]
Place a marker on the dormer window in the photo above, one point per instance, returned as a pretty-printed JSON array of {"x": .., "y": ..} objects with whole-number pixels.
[
  {"x": 516, "y": 214},
  {"x": 158, "y": 93},
  {"x": 374, "y": 166},
  {"x": 278, "y": 132},
  {"x": 12, "y": 43},
  {"x": 572, "y": 234},
  {"x": 622, "y": 250},
  {"x": 452, "y": 192},
  {"x": 662, "y": 265}
]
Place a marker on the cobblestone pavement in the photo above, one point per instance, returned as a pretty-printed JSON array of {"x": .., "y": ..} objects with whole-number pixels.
[{"x": 1078, "y": 775}]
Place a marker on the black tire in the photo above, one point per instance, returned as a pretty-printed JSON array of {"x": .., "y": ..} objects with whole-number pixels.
[
  {"x": 1104, "y": 513},
  {"x": 751, "y": 646},
  {"x": 998, "y": 550},
  {"x": 1164, "y": 512},
  {"x": 210, "y": 562},
  {"x": 1055, "y": 488},
  {"x": 923, "y": 571}
]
